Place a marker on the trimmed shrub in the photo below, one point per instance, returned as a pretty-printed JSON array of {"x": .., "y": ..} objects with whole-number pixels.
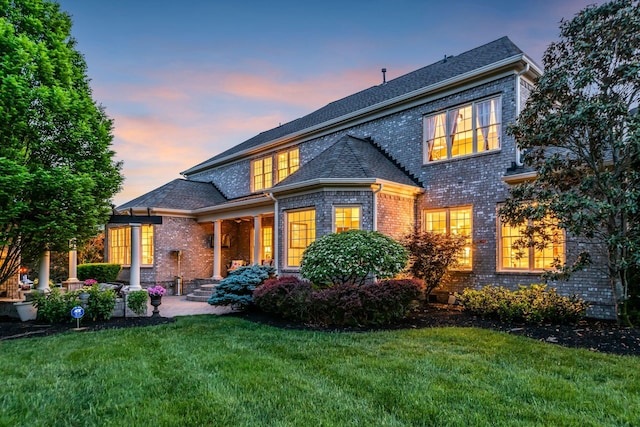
[
  {"x": 287, "y": 296},
  {"x": 102, "y": 272},
  {"x": 533, "y": 304},
  {"x": 101, "y": 303},
  {"x": 347, "y": 304},
  {"x": 237, "y": 288},
  {"x": 55, "y": 307},
  {"x": 349, "y": 257},
  {"x": 137, "y": 301}
]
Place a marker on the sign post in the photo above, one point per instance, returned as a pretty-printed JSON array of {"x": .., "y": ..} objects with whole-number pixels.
[{"x": 77, "y": 313}]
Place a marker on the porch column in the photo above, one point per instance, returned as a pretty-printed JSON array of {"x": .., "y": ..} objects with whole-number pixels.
[
  {"x": 43, "y": 276},
  {"x": 134, "y": 270},
  {"x": 217, "y": 253},
  {"x": 73, "y": 261},
  {"x": 257, "y": 241}
]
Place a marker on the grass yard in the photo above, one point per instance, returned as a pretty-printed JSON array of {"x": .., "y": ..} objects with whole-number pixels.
[{"x": 224, "y": 371}]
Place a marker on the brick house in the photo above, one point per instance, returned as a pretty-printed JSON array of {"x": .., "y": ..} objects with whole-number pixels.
[{"x": 427, "y": 149}]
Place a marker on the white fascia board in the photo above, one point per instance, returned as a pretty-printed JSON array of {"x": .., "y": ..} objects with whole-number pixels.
[
  {"x": 234, "y": 206},
  {"x": 520, "y": 177},
  {"x": 341, "y": 183},
  {"x": 418, "y": 93}
]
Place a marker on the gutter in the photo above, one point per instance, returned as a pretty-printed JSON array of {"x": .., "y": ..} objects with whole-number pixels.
[
  {"x": 374, "y": 195},
  {"x": 519, "y": 161},
  {"x": 368, "y": 110},
  {"x": 276, "y": 230}
]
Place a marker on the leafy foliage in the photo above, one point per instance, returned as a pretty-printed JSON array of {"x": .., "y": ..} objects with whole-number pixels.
[
  {"x": 534, "y": 304},
  {"x": 137, "y": 301},
  {"x": 237, "y": 288},
  {"x": 345, "y": 304},
  {"x": 102, "y": 272},
  {"x": 101, "y": 303},
  {"x": 55, "y": 306},
  {"x": 57, "y": 173},
  {"x": 582, "y": 137},
  {"x": 349, "y": 257},
  {"x": 431, "y": 255}
]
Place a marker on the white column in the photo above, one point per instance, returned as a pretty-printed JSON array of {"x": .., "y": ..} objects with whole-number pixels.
[
  {"x": 257, "y": 241},
  {"x": 43, "y": 276},
  {"x": 136, "y": 249},
  {"x": 217, "y": 253},
  {"x": 73, "y": 261}
]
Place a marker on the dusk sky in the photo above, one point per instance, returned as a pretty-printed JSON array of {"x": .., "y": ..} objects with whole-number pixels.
[{"x": 186, "y": 80}]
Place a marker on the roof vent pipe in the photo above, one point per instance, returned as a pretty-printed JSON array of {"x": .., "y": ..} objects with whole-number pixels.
[{"x": 384, "y": 76}]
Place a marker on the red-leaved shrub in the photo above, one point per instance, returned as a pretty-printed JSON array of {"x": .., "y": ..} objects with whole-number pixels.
[{"x": 287, "y": 296}]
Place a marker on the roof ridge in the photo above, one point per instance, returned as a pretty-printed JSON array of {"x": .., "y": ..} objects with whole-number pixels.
[{"x": 393, "y": 160}]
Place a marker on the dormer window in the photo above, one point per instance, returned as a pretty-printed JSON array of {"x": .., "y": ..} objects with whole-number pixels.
[
  {"x": 464, "y": 130},
  {"x": 262, "y": 170}
]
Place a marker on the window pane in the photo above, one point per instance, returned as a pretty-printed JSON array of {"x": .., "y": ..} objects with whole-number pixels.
[
  {"x": 268, "y": 172},
  {"x": 460, "y": 224},
  {"x": 347, "y": 218},
  {"x": 267, "y": 243},
  {"x": 436, "y": 137},
  {"x": 147, "y": 244},
  {"x": 511, "y": 257},
  {"x": 435, "y": 221},
  {"x": 488, "y": 115},
  {"x": 461, "y": 125},
  {"x": 301, "y": 232},
  {"x": 553, "y": 251}
]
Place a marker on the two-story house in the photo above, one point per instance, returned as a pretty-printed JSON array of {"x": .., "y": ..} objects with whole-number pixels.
[{"x": 428, "y": 149}]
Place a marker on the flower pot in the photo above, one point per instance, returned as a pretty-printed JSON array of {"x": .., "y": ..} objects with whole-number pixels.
[
  {"x": 156, "y": 300},
  {"x": 26, "y": 310}
]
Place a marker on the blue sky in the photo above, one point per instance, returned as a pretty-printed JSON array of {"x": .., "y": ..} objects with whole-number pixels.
[{"x": 186, "y": 80}]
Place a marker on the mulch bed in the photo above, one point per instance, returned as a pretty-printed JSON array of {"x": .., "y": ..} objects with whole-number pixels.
[{"x": 595, "y": 335}]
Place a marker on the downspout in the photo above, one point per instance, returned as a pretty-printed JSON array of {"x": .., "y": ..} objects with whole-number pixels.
[
  {"x": 276, "y": 233},
  {"x": 526, "y": 68},
  {"x": 375, "y": 206}
]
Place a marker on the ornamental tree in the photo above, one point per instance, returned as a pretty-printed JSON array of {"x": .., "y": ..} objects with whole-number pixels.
[
  {"x": 432, "y": 255},
  {"x": 581, "y": 135},
  {"x": 352, "y": 256},
  {"x": 57, "y": 173}
]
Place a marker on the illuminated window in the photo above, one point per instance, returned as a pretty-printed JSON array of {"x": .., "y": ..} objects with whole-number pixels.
[
  {"x": 262, "y": 173},
  {"x": 347, "y": 218},
  {"x": 529, "y": 258},
  {"x": 468, "y": 129},
  {"x": 120, "y": 245},
  {"x": 267, "y": 243},
  {"x": 454, "y": 221},
  {"x": 301, "y": 231},
  {"x": 288, "y": 163}
]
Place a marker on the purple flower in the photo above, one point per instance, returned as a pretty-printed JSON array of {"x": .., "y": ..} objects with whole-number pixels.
[
  {"x": 90, "y": 282},
  {"x": 156, "y": 291}
]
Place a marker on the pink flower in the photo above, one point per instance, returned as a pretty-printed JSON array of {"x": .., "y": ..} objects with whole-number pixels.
[
  {"x": 156, "y": 291},
  {"x": 90, "y": 282}
]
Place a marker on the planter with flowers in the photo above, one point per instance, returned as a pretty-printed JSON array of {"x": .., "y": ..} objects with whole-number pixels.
[{"x": 155, "y": 294}]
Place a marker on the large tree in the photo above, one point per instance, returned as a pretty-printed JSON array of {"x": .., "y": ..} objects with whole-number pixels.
[
  {"x": 57, "y": 172},
  {"x": 581, "y": 134}
]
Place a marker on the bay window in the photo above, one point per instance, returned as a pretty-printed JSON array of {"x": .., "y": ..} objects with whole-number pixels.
[
  {"x": 301, "y": 232},
  {"x": 346, "y": 218}
]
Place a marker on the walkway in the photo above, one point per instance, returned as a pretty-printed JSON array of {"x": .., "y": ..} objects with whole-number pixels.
[{"x": 179, "y": 306}]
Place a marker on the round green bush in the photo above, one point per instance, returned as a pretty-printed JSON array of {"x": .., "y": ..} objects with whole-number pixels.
[
  {"x": 137, "y": 301},
  {"x": 351, "y": 256}
]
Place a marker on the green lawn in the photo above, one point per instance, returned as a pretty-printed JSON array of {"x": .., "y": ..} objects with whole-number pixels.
[{"x": 224, "y": 371}]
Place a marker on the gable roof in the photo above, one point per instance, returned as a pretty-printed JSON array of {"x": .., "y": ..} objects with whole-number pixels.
[
  {"x": 349, "y": 158},
  {"x": 442, "y": 70},
  {"x": 178, "y": 194}
]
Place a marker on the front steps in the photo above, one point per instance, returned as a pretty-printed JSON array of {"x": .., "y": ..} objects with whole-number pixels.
[{"x": 203, "y": 293}]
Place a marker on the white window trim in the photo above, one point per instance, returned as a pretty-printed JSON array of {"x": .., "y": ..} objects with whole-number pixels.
[{"x": 425, "y": 144}]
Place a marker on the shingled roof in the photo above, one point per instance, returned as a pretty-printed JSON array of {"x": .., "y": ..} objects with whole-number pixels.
[
  {"x": 178, "y": 194},
  {"x": 447, "y": 68},
  {"x": 350, "y": 158}
]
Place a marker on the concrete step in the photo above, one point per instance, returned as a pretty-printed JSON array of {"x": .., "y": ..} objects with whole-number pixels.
[
  {"x": 203, "y": 292},
  {"x": 200, "y": 298},
  {"x": 208, "y": 286}
]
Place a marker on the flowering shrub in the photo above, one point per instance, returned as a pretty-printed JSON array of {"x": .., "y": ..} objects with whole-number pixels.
[
  {"x": 345, "y": 304},
  {"x": 90, "y": 282},
  {"x": 156, "y": 291},
  {"x": 351, "y": 256},
  {"x": 286, "y": 296},
  {"x": 533, "y": 304},
  {"x": 237, "y": 288},
  {"x": 101, "y": 302},
  {"x": 55, "y": 307}
]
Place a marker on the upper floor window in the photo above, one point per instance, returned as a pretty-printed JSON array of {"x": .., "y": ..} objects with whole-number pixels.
[
  {"x": 530, "y": 258},
  {"x": 461, "y": 131},
  {"x": 301, "y": 231},
  {"x": 119, "y": 243},
  {"x": 288, "y": 163},
  {"x": 262, "y": 170},
  {"x": 455, "y": 221},
  {"x": 262, "y": 173},
  {"x": 347, "y": 218}
]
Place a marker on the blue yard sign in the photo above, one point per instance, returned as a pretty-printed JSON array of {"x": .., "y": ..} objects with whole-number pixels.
[{"x": 77, "y": 312}]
